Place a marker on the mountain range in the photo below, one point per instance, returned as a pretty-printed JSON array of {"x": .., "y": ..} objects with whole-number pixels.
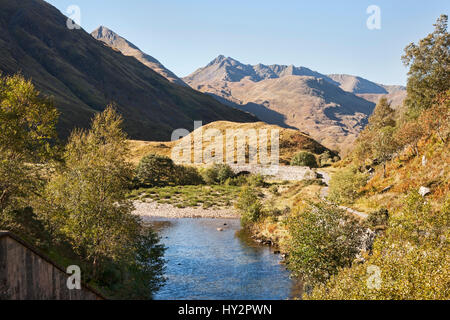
[
  {"x": 332, "y": 108},
  {"x": 83, "y": 75},
  {"x": 85, "y": 72}
]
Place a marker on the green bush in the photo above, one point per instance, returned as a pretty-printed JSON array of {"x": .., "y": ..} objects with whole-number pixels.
[
  {"x": 378, "y": 218},
  {"x": 249, "y": 205},
  {"x": 324, "y": 239},
  {"x": 345, "y": 185},
  {"x": 187, "y": 176},
  {"x": 217, "y": 173},
  {"x": 256, "y": 180},
  {"x": 155, "y": 171},
  {"x": 236, "y": 181},
  {"x": 304, "y": 159},
  {"x": 325, "y": 158}
]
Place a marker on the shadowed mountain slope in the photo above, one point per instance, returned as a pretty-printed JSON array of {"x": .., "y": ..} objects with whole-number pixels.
[
  {"x": 84, "y": 75},
  {"x": 128, "y": 49}
]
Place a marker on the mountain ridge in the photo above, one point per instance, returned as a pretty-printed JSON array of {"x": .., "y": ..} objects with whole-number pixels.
[{"x": 127, "y": 48}]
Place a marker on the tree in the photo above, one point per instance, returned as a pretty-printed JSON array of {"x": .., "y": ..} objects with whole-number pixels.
[
  {"x": 382, "y": 116},
  {"x": 384, "y": 145},
  {"x": 304, "y": 158},
  {"x": 155, "y": 170},
  {"x": 27, "y": 120},
  {"x": 324, "y": 239},
  {"x": 429, "y": 68},
  {"x": 86, "y": 200},
  {"x": 437, "y": 118},
  {"x": 27, "y": 137},
  {"x": 410, "y": 133}
]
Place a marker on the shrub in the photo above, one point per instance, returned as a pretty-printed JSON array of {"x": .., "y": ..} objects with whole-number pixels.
[
  {"x": 256, "y": 180},
  {"x": 325, "y": 158},
  {"x": 378, "y": 218},
  {"x": 304, "y": 159},
  {"x": 224, "y": 172},
  {"x": 187, "y": 176},
  {"x": 217, "y": 174},
  {"x": 236, "y": 181},
  {"x": 412, "y": 259},
  {"x": 324, "y": 239},
  {"x": 345, "y": 185},
  {"x": 249, "y": 205},
  {"x": 155, "y": 170}
]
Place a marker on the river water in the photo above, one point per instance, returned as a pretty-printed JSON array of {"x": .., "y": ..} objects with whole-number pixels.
[{"x": 204, "y": 263}]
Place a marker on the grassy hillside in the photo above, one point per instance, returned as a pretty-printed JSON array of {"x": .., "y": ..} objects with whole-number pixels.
[{"x": 291, "y": 141}]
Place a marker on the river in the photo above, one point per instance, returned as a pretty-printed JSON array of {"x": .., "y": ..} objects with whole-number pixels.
[{"x": 204, "y": 263}]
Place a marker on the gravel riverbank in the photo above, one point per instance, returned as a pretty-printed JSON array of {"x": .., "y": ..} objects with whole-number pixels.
[{"x": 155, "y": 209}]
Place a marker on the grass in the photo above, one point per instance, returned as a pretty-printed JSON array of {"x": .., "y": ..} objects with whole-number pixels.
[
  {"x": 214, "y": 196},
  {"x": 291, "y": 141}
]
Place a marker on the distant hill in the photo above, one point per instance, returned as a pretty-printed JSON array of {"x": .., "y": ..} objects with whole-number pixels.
[
  {"x": 128, "y": 49},
  {"x": 291, "y": 97},
  {"x": 84, "y": 75},
  {"x": 369, "y": 90},
  {"x": 291, "y": 141}
]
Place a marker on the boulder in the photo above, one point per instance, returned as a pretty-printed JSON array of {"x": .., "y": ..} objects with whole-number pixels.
[
  {"x": 423, "y": 191},
  {"x": 424, "y": 161}
]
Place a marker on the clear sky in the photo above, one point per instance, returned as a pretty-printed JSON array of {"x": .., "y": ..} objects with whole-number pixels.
[{"x": 326, "y": 36}]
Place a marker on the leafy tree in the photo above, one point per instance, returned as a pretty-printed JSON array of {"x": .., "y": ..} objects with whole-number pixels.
[
  {"x": 382, "y": 116},
  {"x": 325, "y": 158},
  {"x": 429, "y": 68},
  {"x": 409, "y": 133},
  {"x": 249, "y": 205},
  {"x": 27, "y": 120},
  {"x": 27, "y": 126},
  {"x": 155, "y": 170},
  {"x": 304, "y": 158},
  {"x": 384, "y": 145},
  {"x": 88, "y": 195},
  {"x": 85, "y": 202},
  {"x": 437, "y": 118},
  {"x": 324, "y": 239}
]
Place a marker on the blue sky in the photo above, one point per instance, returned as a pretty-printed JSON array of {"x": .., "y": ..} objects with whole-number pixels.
[{"x": 326, "y": 36}]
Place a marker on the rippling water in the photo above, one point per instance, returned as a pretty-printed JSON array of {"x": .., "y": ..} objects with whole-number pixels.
[{"x": 203, "y": 263}]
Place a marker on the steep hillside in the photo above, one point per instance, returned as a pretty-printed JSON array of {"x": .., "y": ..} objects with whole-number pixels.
[
  {"x": 115, "y": 41},
  {"x": 291, "y": 141},
  {"x": 84, "y": 75}
]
